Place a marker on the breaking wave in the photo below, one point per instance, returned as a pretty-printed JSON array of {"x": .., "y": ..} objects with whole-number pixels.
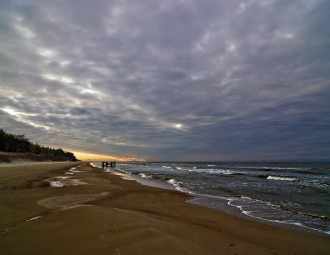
[{"x": 281, "y": 178}]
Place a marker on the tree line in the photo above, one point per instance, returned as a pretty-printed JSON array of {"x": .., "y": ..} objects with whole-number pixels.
[{"x": 19, "y": 143}]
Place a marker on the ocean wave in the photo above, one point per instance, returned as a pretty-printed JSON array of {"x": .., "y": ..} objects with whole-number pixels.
[
  {"x": 174, "y": 182},
  {"x": 279, "y": 213},
  {"x": 280, "y": 168},
  {"x": 214, "y": 171},
  {"x": 259, "y": 201},
  {"x": 125, "y": 172},
  {"x": 180, "y": 187},
  {"x": 142, "y": 175},
  {"x": 310, "y": 172},
  {"x": 268, "y": 186},
  {"x": 289, "y": 207},
  {"x": 281, "y": 178},
  {"x": 316, "y": 183}
]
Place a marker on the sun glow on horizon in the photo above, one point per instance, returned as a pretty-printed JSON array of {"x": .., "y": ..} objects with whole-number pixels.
[{"x": 86, "y": 156}]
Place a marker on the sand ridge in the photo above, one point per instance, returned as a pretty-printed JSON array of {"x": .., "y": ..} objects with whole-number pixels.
[{"x": 62, "y": 202}]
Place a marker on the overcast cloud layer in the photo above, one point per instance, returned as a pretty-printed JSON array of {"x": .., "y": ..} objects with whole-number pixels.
[{"x": 171, "y": 79}]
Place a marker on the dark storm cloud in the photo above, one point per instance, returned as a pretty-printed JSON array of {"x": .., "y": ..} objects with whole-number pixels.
[{"x": 171, "y": 80}]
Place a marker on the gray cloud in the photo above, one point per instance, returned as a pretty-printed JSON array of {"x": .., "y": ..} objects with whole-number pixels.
[{"x": 169, "y": 80}]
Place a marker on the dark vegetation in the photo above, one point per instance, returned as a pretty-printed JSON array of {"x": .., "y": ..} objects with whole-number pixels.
[{"x": 20, "y": 144}]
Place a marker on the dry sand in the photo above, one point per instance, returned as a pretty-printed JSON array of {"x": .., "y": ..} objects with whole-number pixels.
[{"x": 108, "y": 215}]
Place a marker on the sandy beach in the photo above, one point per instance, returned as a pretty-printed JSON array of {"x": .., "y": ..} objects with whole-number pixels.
[{"x": 79, "y": 209}]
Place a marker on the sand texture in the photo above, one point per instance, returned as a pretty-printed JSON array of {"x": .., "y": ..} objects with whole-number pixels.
[{"x": 100, "y": 213}]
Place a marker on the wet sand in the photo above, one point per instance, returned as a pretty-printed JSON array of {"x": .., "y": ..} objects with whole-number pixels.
[{"x": 100, "y": 213}]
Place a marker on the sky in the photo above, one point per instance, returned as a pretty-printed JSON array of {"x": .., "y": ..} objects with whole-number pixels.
[{"x": 169, "y": 80}]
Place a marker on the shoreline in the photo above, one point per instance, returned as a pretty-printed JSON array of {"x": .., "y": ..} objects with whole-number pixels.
[
  {"x": 223, "y": 204},
  {"x": 112, "y": 215}
]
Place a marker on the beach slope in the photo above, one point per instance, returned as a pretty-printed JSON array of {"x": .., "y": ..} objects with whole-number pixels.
[{"x": 90, "y": 211}]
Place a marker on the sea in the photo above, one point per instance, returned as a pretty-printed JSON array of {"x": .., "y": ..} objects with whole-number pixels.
[{"x": 293, "y": 194}]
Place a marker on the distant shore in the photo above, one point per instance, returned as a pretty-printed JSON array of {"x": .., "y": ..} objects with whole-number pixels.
[{"x": 93, "y": 212}]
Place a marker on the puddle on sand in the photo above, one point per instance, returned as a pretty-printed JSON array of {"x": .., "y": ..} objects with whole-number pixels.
[
  {"x": 67, "y": 180},
  {"x": 61, "y": 181}
]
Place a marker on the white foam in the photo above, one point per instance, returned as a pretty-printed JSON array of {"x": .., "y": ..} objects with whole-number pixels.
[
  {"x": 171, "y": 181},
  {"x": 62, "y": 177},
  {"x": 124, "y": 176},
  {"x": 75, "y": 171},
  {"x": 145, "y": 176},
  {"x": 280, "y": 168},
  {"x": 174, "y": 182},
  {"x": 34, "y": 218},
  {"x": 166, "y": 167},
  {"x": 61, "y": 181},
  {"x": 72, "y": 171},
  {"x": 95, "y": 165},
  {"x": 56, "y": 184},
  {"x": 250, "y": 214},
  {"x": 212, "y": 171},
  {"x": 279, "y": 178}
]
